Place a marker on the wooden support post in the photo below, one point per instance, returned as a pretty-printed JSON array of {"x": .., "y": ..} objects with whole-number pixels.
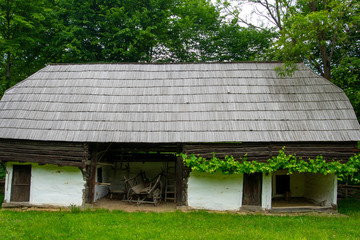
[
  {"x": 179, "y": 180},
  {"x": 179, "y": 171},
  {"x": 92, "y": 175}
]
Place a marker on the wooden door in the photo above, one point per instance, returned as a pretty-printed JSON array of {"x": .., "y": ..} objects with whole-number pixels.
[
  {"x": 20, "y": 188},
  {"x": 252, "y": 189}
]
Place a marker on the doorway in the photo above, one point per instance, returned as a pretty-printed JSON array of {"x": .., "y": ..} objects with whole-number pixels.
[
  {"x": 282, "y": 184},
  {"x": 20, "y": 187},
  {"x": 252, "y": 189}
]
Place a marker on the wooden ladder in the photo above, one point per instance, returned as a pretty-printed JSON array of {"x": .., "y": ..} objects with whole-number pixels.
[
  {"x": 170, "y": 183},
  {"x": 170, "y": 190}
]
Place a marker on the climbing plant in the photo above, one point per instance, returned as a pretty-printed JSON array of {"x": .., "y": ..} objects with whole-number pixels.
[{"x": 349, "y": 170}]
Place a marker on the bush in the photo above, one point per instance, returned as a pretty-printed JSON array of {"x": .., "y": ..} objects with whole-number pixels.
[{"x": 2, "y": 173}]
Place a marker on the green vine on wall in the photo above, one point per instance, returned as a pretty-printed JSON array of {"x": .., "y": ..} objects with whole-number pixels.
[{"x": 348, "y": 171}]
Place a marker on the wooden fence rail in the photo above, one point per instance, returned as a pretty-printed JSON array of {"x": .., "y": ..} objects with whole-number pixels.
[{"x": 348, "y": 191}]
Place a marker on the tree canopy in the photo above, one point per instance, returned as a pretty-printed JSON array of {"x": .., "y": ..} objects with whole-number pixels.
[
  {"x": 324, "y": 34},
  {"x": 33, "y": 33}
]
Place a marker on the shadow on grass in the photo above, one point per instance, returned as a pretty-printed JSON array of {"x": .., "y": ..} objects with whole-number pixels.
[
  {"x": 349, "y": 206},
  {"x": 1, "y": 199}
]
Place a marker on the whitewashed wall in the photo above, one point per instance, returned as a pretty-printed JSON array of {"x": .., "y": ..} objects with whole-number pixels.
[
  {"x": 266, "y": 192},
  {"x": 51, "y": 185},
  {"x": 317, "y": 187},
  {"x": 215, "y": 191},
  {"x": 100, "y": 191},
  {"x": 297, "y": 183},
  {"x": 8, "y": 180},
  {"x": 321, "y": 187}
]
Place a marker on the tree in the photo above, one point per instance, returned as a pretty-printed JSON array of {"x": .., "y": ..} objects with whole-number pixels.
[
  {"x": 199, "y": 32},
  {"x": 20, "y": 39},
  {"x": 322, "y": 33},
  {"x": 33, "y": 33}
]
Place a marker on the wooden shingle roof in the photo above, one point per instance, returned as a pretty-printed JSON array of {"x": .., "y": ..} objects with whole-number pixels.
[{"x": 206, "y": 102}]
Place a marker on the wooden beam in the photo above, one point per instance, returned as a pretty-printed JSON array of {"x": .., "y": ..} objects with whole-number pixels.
[
  {"x": 179, "y": 180},
  {"x": 92, "y": 175},
  {"x": 139, "y": 157},
  {"x": 179, "y": 171}
]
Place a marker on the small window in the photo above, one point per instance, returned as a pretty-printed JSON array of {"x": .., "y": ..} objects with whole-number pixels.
[
  {"x": 282, "y": 184},
  {"x": 99, "y": 175}
]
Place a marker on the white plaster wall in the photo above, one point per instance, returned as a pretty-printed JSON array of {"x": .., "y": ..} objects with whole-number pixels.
[
  {"x": 297, "y": 184},
  {"x": 8, "y": 180},
  {"x": 319, "y": 187},
  {"x": 100, "y": 191},
  {"x": 51, "y": 185},
  {"x": 266, "y": 193},
  {"x": 61, "y": 186},
  {"x": 215, "y": 191}
]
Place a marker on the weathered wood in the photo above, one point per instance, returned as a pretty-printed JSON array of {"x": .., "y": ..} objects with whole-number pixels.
[
  {"x": 114, "y": 148},
  {"x": 65, "y": 153},
  {"x": 348, "y": 191},
  {"x": 29, "y": 156},
  {"x": 138, "y": 157},
  {"x": 20, "y": 186},
  {"x": 263, "y": 151},
  {"x": 92, "y": 175},
  {"x": 45, "y": 161},
  {"x": 179, "y": 180},
  {"x": 252, "y": 189},
  {"x": 42, "y": 145},
  {"x": 59, "y": 153}
]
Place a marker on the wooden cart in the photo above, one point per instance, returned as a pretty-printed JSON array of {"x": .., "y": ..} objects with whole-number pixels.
[{"x": 140, "y": 191}]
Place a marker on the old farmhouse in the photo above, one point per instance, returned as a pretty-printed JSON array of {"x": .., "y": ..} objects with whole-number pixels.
[{"x": 70, "y": 134}]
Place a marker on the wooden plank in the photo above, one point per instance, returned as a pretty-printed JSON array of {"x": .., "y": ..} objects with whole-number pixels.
[
  {"x": 179, "y": 180},
  {"x": 265, "y": 150},
  {"x": 46, "y": 161},
  {"x": 62, "y": 154},
  {"x": 138, "y": 147},
  {"x": 29, "y": 157},
  {"x": 20, "y": 187},
  {"x": 92, "y": 175},
  {"x": 143, "y": 158},
  {"x": 42, "y": 145},
  {"x": 252, "y": 189}
]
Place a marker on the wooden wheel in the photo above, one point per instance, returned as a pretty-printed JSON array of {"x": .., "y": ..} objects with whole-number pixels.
[
  {"x": 157, "y": 196},
  {"x": 130, "y": 195}
]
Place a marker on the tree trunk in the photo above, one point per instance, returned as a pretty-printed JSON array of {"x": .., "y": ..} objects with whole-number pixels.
[{"x": 321, "y": 35}]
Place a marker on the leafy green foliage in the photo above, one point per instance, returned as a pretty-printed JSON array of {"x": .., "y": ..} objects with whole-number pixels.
[
  {"x": 22, "y": 35},
  {"x": 34, "y": 33},
  {"x": 2, "y": 173},
  {"x": 349, "y": 171},
  {"x": 322, "y": 34}
]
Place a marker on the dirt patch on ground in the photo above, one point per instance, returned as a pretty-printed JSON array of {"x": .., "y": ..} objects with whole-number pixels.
[{"x": 113, "y": 204}]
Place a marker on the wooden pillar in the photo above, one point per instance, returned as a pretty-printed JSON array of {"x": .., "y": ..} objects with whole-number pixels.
[
  {"x": 179, "y": 180},
  {"x": 92, "y": 175},
  {"x": 179, "y": 172}
]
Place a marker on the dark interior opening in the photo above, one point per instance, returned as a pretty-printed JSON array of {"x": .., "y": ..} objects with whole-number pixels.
[{"x": 282, "y": 184}]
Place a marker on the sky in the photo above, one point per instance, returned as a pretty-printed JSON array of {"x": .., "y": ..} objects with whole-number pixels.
[{"x": 249, "y": 12}]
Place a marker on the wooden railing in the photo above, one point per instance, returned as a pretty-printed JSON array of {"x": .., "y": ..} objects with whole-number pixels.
[{"x": 348, "y": 191}]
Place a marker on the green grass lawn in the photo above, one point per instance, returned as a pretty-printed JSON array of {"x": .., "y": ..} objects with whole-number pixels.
[{"x": 102, "y": 224}]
